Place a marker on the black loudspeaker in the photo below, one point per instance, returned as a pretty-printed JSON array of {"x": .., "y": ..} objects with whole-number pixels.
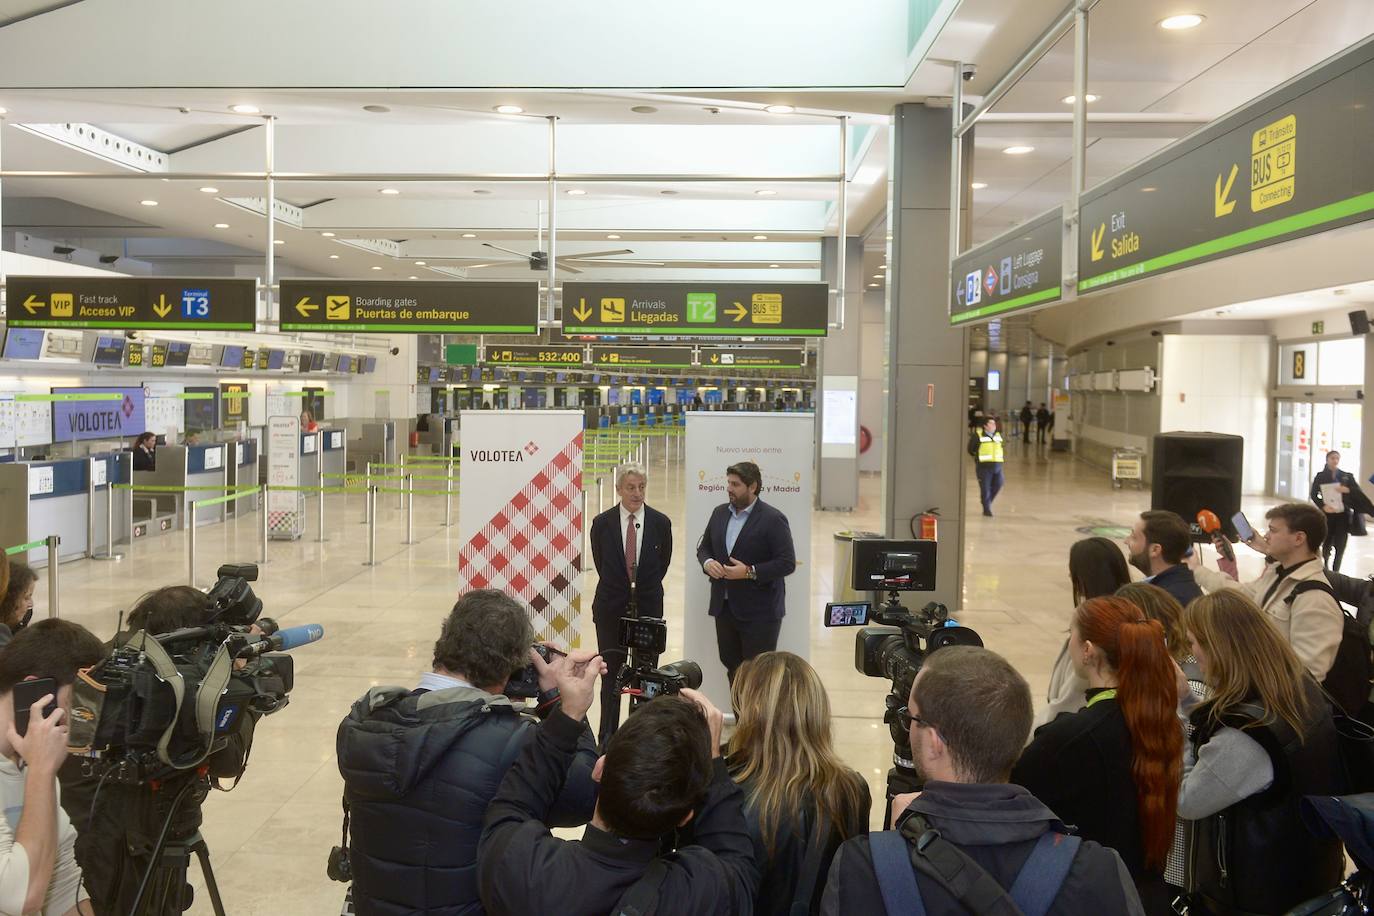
[
  {"x": 1193, "y": 471},
  {"x": 1359, "y": 322}
]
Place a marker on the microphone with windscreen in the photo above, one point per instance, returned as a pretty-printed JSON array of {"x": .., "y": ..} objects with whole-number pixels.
[{"x": 1209, "y": 523}]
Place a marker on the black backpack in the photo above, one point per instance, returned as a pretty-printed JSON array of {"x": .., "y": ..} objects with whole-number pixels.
[{"x": 1348, "y": 680}]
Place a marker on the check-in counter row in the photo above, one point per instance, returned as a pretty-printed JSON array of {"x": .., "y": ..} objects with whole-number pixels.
[
  {"x": 68, "y": 498},
  {"x": 209, "y": 469}
]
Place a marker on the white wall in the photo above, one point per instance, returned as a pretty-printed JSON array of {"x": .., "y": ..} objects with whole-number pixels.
[{"x": 1220, "y": 384}]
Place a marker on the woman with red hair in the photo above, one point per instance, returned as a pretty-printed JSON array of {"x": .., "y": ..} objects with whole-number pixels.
[{"x": 1113, "y": 768}]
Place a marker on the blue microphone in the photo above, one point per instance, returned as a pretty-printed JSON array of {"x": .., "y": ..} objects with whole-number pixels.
[{"x": 284, "y": 640}]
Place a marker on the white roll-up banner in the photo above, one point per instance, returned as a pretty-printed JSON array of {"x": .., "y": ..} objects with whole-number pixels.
[
  {"x": 520, "y": 513},
  {"x": 782, "y": 445}
]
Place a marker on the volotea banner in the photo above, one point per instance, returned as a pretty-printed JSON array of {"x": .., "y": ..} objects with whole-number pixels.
[
  {"x": 782, "y": 445},
  {"x": 520, "y": 513},
  {"x": 285, "y": 508}
]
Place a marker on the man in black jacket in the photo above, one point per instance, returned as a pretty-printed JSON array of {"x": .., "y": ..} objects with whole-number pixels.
[
  {"x": 747, "y": 551},
  {"x": 630, "y": 535},
  {"x": 1157, "y": 544},
  {"x": 987, "y": 827},
  {"x": 421, "y": 766},
  {"x": 662, "y": 769}
]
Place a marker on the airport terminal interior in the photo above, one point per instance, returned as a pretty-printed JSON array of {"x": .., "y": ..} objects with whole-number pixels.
[{"x": 397, "y": 293}]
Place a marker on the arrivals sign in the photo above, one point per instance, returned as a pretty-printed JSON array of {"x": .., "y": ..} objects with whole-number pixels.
[
  {"x": 1017, "y": 270},
  {"x": 1291, "y": 164},
  {"x": 549, "y": 355},
  {"x": 753, "y": 358},
  {"x": 96, "y": 413},
  {"x": 128, "y": 303},
  {"x": 696, "y": 309},
  {"x": 642, "y": 357},
  {"x": 430, "y": 307}
]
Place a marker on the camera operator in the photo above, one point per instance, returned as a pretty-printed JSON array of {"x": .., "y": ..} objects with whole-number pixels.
[
  {"x": 38, "y": 870},
  {"x": 421, "y": 766},
  {"x": 661, "y": 770}
]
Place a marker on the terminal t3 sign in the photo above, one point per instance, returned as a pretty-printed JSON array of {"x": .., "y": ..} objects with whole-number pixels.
[
  {"x": 129, "y": 303},
  {"x": 696, "y": 309},
  {"x": 430, "y": 307}
]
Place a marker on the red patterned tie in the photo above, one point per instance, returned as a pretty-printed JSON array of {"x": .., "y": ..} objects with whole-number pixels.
[{"x": 630, "y": 547}]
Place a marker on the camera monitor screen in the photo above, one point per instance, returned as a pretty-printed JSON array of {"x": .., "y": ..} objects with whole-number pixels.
[
  {"x": 902, "y": 566},
  {"x": 851, "y": 614}
]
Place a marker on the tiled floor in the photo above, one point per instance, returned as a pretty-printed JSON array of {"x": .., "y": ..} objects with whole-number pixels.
[{"x": 270, "y": 837}]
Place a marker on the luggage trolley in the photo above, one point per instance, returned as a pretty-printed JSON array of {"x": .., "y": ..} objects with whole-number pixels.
[{"x": 1128, "y": 464}]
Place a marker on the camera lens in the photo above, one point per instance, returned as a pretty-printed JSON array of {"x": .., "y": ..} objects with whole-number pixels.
[{"x": 688, "y": 672}]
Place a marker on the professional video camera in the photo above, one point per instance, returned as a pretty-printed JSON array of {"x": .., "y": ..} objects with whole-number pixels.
[
  {"x": 896, "y": 648},
  {"x": 644, "y": 639},
  {"x": 173, "y": 711}
]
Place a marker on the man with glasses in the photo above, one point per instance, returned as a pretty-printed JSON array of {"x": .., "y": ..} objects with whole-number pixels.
[{"x": 970, "y": 840}]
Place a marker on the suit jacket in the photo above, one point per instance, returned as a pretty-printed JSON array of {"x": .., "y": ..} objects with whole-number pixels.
[
  {"x": 654, "y": 554},
  {"x": 764, "y": 543}
]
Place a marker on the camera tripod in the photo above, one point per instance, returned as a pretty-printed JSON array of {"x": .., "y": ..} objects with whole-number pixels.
[{"x": 164, "y": 888}]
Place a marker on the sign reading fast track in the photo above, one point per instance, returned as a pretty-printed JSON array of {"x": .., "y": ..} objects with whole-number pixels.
[
  {"x": 385, "y": 307},
  {"x": 696, "y": 309},
  {"x": 130, "y": 303}
]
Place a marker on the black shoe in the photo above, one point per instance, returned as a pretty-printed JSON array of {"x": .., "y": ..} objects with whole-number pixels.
[{"x": 987, "y": 512}]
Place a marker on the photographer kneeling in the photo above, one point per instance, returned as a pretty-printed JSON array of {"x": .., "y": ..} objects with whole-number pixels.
[
  {"x": 421, "y": 766},
  {"x": 661, "y": 770}
]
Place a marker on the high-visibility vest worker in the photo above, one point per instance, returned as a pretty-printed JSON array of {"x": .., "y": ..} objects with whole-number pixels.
[{"x": 990, "y": 448}]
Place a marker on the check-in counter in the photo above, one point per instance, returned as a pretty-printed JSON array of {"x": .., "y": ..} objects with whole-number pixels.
[
  {"x": 442, "y": 436},
  {"x": 43, "y": 498},
  {"x": 311, "y": 455},
  {"x": 377, "y": 444},
  {"x": 182, "y": 466},
  {"x": 334, "y": 454},
  {"x": 242, "y": 471}
]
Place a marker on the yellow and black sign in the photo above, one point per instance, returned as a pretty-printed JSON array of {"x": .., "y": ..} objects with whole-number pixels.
[
  {"x": 753, "y": 358},
  {"x": 133, "y": 355},
  {"x": 129, "y": 303},
  {"x": 696, "y": 309},
  {"x": 159, "y": 355},
  {"x": 235, "y": 398},
  {"x": 1299, "y": 364},
  {"x": 249, "y": 358},
  {"x": 552, "y": 355},
  {"x": 642, "y": 357},
  {"x": 433, "y": 307}
]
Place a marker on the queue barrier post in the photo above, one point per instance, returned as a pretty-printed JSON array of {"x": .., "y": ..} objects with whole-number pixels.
[
  {"x": 109, "y": 554},
  {"x": 262, "y": 526},
  {"x": 372, "y": 526},
  {"x": 367, "y": 503},
  {"x": 320, "y": 538},
  {"x": 409, "y": 496},
  {"x": 448, "y": 499},
  {"x": 191, "y": 543},
  {"x": 52, "y": 542},
  {"x": 400, "y": 496}
]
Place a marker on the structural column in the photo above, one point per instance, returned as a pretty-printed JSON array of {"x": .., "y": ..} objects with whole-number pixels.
[
  {"x": 837, "y": 384},
  {"x": 1366, "y": 416},
  {"x": 928, "y": 363}
]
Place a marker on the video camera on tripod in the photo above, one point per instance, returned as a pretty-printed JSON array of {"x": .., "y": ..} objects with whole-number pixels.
[
  {"x": 644, "y": 640},
  {"x": 896, "y": 648}
]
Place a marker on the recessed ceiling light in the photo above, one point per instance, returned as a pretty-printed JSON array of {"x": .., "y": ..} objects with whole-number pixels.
[
  {"x": 244, "y": 109},
  {"x": 979, "y": 185},
  {"x": 766, "y": 192},
  {"x": 508, "y": 109},
  {"x": 576, "y": 192},
  {"x": 419, "y": 263},
  {"x": 376, "y": 109},
  {"x": 644, "y": 109},
  {"x": 882, "y": 267},
  {"x": 877, "y": 276},
  {"x": 760, "y": 238},
  {"x": 391, "y": 191},
  {"x": 4, "y": 111},
  {"x": 1070, "y": 99},
  {"x": 469, "y": 235},
  {"x": 333, "y": 257},
  {"x": 279, "y": 241},
  {"x": 328, "y": 235},
  {"x": 779, "y": 109},
  {"x": 413, "y": 277},
  {"x": 1148, "y": 189},
  {"x": 1180, "y": 22},
  {"x": 221, "y": 225},
  {"x": 1018, "y": 150},
  {"x": 612, "y": 236},
  {"x": 773, "y": 265},
  {"x": 148, "y": 203},
  {"x": 376, "y": 267},
  {"x": 209, "y": 190},
  {"x": 874, "y": 284}
]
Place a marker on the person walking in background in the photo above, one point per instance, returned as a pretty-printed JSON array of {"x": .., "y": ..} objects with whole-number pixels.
[
  {"x": 1027, "y": 416},
  {"x": 1329, "y": 488},
  {"x": 1042, "y": 423},
  {"x": 986, "y": 447}
]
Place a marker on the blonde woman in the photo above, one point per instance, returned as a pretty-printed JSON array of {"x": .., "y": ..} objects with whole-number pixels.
[{"x": 801, "y": 801}]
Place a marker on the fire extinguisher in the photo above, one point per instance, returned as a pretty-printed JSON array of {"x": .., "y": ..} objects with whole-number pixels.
[{"x": 925, "y": 525}]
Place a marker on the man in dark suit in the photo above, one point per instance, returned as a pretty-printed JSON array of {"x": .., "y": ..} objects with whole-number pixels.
[
  {"x": 747, "y": 551},
  {"x": 629, "y": 535}
]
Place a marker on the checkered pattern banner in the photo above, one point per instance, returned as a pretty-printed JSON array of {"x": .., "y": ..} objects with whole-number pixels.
[{"x": 531, "y": 547}]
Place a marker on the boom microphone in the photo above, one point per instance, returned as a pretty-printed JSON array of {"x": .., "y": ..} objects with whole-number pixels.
[
  {"x": 284, "y": 640},
  {"x": 1207, "y": 520}
]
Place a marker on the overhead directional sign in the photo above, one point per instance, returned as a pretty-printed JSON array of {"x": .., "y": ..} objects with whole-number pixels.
[
  {"x": 1017, "y": 270},
  {"x": 696, "y": 309},
  {"x": 754, "y": 358},
  {"x": 384, "y": 307},
  {"x": 548, "y": 355},
  {"x": 1293, "y": 163},
  {"x": 126, "y": 303},
  {"x": 642, "y": 357}
]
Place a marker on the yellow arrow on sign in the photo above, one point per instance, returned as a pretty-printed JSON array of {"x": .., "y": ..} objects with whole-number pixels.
[
  {"x": 582, "y": 312},
  {"x": 1223, "y": 207},
  {"x": 738, "y": 312},
  {"x": 32, "y": 303},
  {"x": 1097, "y": 241},
  {"x": 715, "y": 357},
  {"x": 161, "y": 307},
  {"x": 305, "y": 307}
]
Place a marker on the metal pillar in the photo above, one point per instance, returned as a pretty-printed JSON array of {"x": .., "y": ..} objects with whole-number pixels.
[
  {"x": 52, "y": 541},
  {"x": 191, "y": 543},
  {"x": 109, "y": 553},
  {"x": 262, "y": 524},
  {"x": 843, "y": 218},
  {"x": 321, "y": 538},
  {"x": 553, "y": 207},
  {"x": 270, "y": 208},
  {"x": 409, "y": 497},
  {"x": 372, "y": 527},
  {"x": 367, "y": 503},
  {"x": 956, "y": 172}
]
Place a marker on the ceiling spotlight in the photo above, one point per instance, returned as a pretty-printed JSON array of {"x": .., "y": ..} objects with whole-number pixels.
[
  {"x": 221, "y": 225},
  {"x": 613, "y": 236},
  {"x": 376, "y": 109},
  {"x": 1018, "y": 150},
  {"x": 419, "y": 263},
  {"x": 245, "y": 109},
  {"x": 508, "y": 109},
  {"x": 760, "y": 238},
  {"x": 469, "y": 235},
  {"x": 644, "y": 109},
  {"x": 774, "y": 265},
  {"x": 766, "y": 192},
  {"x": 877, "y": 276},
  {"x": 391, "y": 191},
  {"x": 979, "y": 185},
  {"x": 148, "y": 203},
  {"x": 376, "y": 267},
  {"x": 575, "y": 192},
  {"x": 873, "y": 284},
  {"x": 333, "y": 257},
  {"x": 328, "y": 235},
  {"x": 1180, "y": 22},
  {"x": 882, "y": 267},
  {"x": 279, "y": 241},
  {"x": 779, "y": 109},
  {"x": 1088, "y": 97},
  {"x": 1148, "y": 189},
  {"x": 209, "y": 190},
  {"x": 413, "y": 277}
]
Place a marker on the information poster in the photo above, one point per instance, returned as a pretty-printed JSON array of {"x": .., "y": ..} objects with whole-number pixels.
[
  {"x": 284, "y": 516},
  {"x": 782, "y": 446},
  {"x": 520, "y": 513}
]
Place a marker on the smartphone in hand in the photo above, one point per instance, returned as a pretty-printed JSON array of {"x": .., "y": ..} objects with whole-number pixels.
[
  {"x": 1242, "y": 526},
  {"x": 26, "y": 693}
]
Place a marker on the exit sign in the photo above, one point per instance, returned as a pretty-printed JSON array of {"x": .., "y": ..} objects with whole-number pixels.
[
  {"x": 461, "y": 354},
  {"x": 1319, "y": 327}
]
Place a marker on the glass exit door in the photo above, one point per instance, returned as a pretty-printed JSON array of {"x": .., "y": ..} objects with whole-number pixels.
[{"x": 1307, "y": 431}]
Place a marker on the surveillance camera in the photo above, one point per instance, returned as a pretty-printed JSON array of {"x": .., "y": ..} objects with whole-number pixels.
[
  {"x": 62, "y": 249},
  {"x": 395, "y": 351},
  {"x": 132, "y": 335},
  {"x": 968, "y": 70},
  {"x": 108, "y": 258}
]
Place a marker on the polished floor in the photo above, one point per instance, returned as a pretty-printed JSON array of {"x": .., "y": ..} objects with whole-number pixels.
[{"x": 270, "y": 837}]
